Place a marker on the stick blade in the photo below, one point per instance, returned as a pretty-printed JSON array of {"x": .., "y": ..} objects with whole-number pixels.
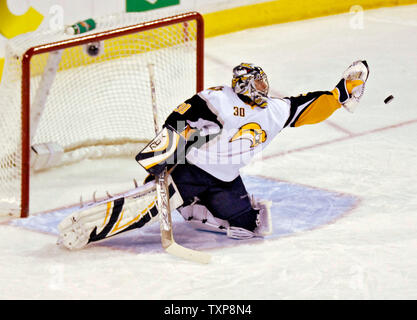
[{"x": 188, "y": 254}]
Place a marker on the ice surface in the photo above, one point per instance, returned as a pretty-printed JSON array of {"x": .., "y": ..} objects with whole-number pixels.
[{"x": 370, "y": 253}]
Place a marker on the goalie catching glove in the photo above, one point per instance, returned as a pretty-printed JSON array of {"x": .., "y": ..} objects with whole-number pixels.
[{"x": 351, "y": 87}]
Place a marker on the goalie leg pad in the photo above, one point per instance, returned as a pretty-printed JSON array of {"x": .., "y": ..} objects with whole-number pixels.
[
  {"x": 263, "y": 220},
  {"x": 199, "y": 217},
  {"x": 111, "y": 218},
  {"x": 263, "y": 223},
  {"x": 106, "y": 220}
]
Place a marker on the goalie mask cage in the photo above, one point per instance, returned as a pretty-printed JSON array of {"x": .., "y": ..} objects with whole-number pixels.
[{"x": 89, "y": 95}]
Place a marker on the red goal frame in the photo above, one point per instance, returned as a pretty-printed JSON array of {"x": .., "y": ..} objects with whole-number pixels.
[{"x": 95, "y": 37}]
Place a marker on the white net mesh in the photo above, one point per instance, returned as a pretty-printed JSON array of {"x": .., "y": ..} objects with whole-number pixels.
[{"x": 93, "y": 106}]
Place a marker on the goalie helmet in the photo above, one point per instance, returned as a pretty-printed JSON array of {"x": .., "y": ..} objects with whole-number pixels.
[{"x": 243, "y": 82}]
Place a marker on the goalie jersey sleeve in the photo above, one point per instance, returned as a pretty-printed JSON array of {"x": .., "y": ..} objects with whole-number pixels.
[{"x": 311, "y": 108}]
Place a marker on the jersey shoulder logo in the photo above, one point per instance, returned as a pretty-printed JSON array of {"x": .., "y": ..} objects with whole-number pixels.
[{"x": 251, "y": 131}]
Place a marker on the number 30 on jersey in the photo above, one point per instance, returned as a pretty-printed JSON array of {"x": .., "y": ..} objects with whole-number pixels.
[{"x": 239, "y": 111}]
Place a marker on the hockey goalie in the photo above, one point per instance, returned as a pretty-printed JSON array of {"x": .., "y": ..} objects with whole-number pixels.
[{"x": 202, "y": 146}]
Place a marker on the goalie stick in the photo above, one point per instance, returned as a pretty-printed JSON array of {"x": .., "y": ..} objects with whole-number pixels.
[{"x": 167, "y": 238}]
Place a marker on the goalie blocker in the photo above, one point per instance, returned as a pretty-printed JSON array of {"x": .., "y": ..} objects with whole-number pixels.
[{"x": 168, "y": 147}]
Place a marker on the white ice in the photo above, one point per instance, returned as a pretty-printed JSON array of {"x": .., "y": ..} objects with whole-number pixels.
[{"x": 370, "y": 253}]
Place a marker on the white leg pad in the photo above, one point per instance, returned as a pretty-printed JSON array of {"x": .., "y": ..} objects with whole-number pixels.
[
  {"x": 117, "y": 215},
  {"x": 199, "y": 217},
  {"x": 264, "y": 220},
  {"x": 105, "y": 220}
]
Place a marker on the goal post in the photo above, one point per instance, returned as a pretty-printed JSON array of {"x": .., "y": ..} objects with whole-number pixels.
[{"x": 88, "y": 95}]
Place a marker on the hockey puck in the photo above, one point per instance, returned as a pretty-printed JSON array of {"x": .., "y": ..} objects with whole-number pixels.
[
  {"x": 388, "y": 99},
  {"x": 93, "y": 50}
]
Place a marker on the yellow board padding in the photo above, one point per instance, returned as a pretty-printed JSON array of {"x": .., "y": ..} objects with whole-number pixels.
[
  {"x": 322, "y": 108},
  {"x": 12, "y": 25},
  {"x": 1, "y": 67},
  {"x": 281, "y": 11}
]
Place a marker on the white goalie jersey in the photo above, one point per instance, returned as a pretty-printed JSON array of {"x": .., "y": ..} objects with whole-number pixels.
[{"x": 245, "y": 131}]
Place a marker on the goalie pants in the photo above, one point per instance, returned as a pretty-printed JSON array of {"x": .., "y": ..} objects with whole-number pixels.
[{"x": 225, "y": 200}]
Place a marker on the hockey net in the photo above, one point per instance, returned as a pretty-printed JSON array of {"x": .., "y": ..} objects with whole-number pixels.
[{"x": 67, "y": 98}]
